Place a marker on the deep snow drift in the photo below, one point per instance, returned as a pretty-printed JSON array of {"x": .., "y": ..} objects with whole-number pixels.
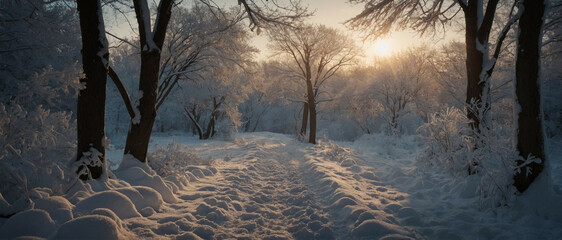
[{"x": 270, "y": 186}]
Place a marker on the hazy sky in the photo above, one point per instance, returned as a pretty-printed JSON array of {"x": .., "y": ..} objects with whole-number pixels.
[
  {"x": 328, "y": 12},
  {"x": 333, "y": 13}
]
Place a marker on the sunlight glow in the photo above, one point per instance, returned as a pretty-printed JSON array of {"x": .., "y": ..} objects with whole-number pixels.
[{"x": 381, "y": 48}]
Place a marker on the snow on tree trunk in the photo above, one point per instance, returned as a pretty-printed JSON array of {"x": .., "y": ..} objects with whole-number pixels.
[
  {"x": 478, "y": 23},
  {"x": 530, "y": 141},
  {"x": 139, "y": 133},
  {"x": 91, "y": 100},
  {"x": 138, "y": 136},
  {"x": 474, "y": 60}
]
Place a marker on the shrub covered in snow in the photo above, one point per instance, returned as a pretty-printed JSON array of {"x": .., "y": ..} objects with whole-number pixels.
[
  {"x": 228, "y": 124},
  {"x": 173, "y": 159},
  {"x": 447, "y": 138},
  {"x": 35, "y": 147},
  {"x": 335, "y": 152},
  {"x": 488, "y": 155}
]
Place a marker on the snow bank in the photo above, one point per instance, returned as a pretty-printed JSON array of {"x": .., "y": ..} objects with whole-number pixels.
[
  {"x": 113, "y": 200},
  {"x": 33, "y": 222},
  {"x": 90, "y": 227},
  {"x": 143, "y": 198},
  {"x": 369, "y": 209},
  {"x": 59, "y": 208},
  {"x": 138, "y": 173}
]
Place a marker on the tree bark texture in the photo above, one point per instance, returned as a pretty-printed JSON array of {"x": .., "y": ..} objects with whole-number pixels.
[
  {"x": 530, "y": 141},
  {"x": 138, "y": 136},
  {"x": 304, "y": 123},
  {"x": 312, "y": 111},
  {"x": 91, "y": 99},
  {"x": 139, "y": 133},
  {"x": 195, "y": 120},
  {"x": 477, "y": 37},
  {"x": 474, "y": 61}
]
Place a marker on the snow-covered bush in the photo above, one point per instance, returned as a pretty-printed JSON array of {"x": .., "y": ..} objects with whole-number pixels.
[
  {"x": 332, "y": 150},
  {"x": 174, "y": 159},
  {"x": 487, "y": 156},
  {"x": 446, "y": 134},
  {"x": 35, "y": 147},
  {"x": 228, "y": 123}
]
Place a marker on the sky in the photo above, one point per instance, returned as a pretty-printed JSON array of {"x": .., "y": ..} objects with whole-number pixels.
[{"x": 332, "y": 13}]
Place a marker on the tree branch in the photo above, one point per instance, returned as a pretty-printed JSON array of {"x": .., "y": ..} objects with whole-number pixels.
[{"x": 122, "y": 90}]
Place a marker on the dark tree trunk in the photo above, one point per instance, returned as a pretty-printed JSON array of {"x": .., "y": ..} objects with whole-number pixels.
[
  {"x": 213, "y": 119},
  {"x": 91, "y": 100},
  {"x": 474, "y": 60},
  {"x": 530, "y": 140},
  {"x": 477, "y": 38},
  {"x": 210, "y": 128},
  {"x": 312, "y": 136},
  {"x": 195, "y": 120},
  {"x": 139, "y": 133},
  {"x": 304, "y": 122},
  {"x": 138, "y": 136},
  {"x": 312, "y": 111},
  {"x": 477, "y": 88}
]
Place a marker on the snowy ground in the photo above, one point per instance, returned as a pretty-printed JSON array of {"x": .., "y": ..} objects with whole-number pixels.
[{"x": 269, "y": 186}]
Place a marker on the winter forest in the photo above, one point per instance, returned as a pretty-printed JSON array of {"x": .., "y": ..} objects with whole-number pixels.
[{"x": 280, "y": 119}]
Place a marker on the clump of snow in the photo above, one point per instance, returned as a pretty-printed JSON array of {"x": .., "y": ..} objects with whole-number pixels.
[
  {"x": 59, "y": 208},
  {"x": 113, "y": 200},
  {"x": 90, "y": 158},
  {"x": 377, "y": 229},
  {"x": 33, "y": 222},
  {"x": 136, "y": 119},
  {"x": 108, "y": 213},
  {"x": 90, "y": 227},
  {"x": 173, "y": 159},
  {"x": 138, "y": 173},
  {"x": 143, "y": 197},
  {"x": 335, "y": 152},
  {"x": 7, "y": 209}
]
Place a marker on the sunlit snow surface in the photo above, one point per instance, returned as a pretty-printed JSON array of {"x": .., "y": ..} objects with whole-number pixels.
[{"x": 270, "y": 186}]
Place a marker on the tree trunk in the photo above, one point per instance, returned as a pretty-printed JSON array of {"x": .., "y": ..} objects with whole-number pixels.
[
  {"x": 139, "y": 133},
  {"x": 312, "y": 136},
  {"x": 91, "y": 99},
  {"x": 304, "y": 120},
  {"x": 210, "y": 128},
  {"x": 138, "y": 136},
  {"x": 312, "y": 110},
  {"x": 195, "y": 121},
  {"x": 474, "y": 60},
  {"x": 530, "y": 142},
  {"x": 477, "y": 38}
]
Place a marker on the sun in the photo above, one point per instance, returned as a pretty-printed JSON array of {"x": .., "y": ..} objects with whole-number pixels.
[{"x": 380, "y": 48}]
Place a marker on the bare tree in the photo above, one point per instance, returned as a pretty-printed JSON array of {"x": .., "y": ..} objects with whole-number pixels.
[
  {"x": 381, "y": 16},
  {"x": 151, "y": 39},
  {"x": 399, "y": 83},
  {"x": 315, "y": 54},
  {"x": 212, "y": 59},
  {"x": 530, "y": 140},
  {"x": 151, "y": 43},
  {"x": 91, "y": 100}
]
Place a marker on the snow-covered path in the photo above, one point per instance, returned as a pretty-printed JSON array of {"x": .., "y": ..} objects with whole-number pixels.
[
  {"x": 270, "y": 186},
  {"x": 277, "y": 188},
  {"x": 257, "y": 194}
]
